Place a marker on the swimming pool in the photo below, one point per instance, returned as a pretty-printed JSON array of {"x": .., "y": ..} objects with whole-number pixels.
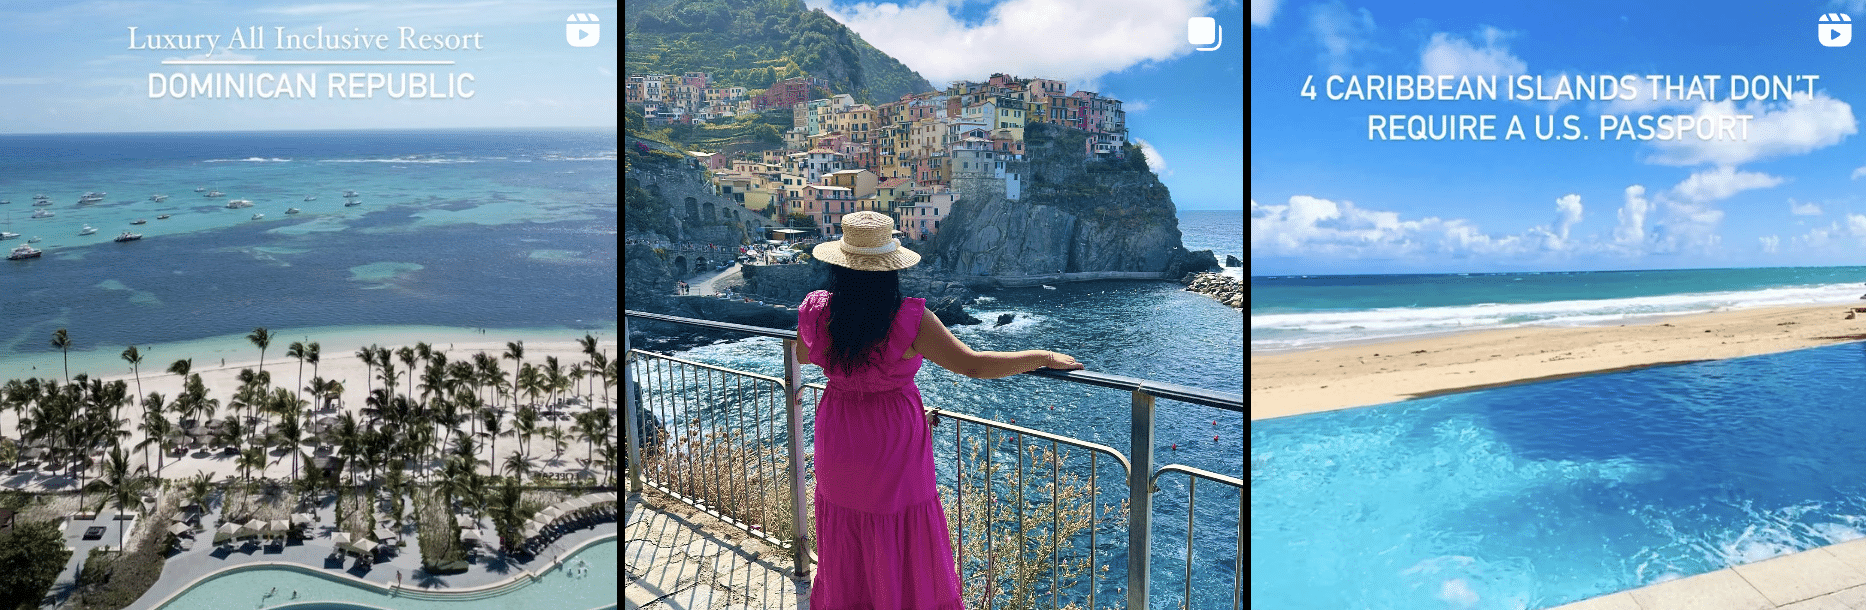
[
  {"x": 1537, "y": 495},
  {"x": 244, "y": 589}
]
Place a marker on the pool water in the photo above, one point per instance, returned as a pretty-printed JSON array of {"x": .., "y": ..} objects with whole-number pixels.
[
  {"x": 1536, "y": 495},
  {"x": 582, "y": 589}
]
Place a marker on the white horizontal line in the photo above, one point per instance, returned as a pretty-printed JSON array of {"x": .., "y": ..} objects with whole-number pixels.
[{"x": 360, "y": 62}]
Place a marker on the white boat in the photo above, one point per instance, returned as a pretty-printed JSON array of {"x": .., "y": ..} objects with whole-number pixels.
[
  {"x": 24, "y": 252},
  {"x": 95, "y": 194},
  {"x": 158, "y": 198},
  {"x": 258, "y": 216},
  {"x": 40, "y": 196},
  {"x": 43, "y": 214},
  {"x": 89, "y": 200},
  {"x": 239, "y": 203},
  {"x": 352, "y": 203},
  {"x": 6, "y": 235},
  {"x": 42, "y": 202},
  {"x": 292, "y": 211},
  {"x": 310, "y": 197},
  {"x": 162, "y": 217},
  {"x": 128, "y": 236},
  {"x": 349, "y": 193},
  {"x": 199, "y": 189},
  {"x": 140, "y": 221},
  {"x": 88, "y": 229},
  {"x": 4, "y": 202},
  {"x": 34, "y": 240},
  {"x": 215, "y": 194}
]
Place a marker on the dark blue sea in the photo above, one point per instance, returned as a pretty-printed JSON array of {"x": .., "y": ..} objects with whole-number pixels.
[
  {"x": 511, "y": 230},
  {"x": 1152, "y": 330}
]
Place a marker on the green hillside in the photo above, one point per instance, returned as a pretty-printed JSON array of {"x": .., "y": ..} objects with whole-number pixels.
[{"x": 752, "y": 43}]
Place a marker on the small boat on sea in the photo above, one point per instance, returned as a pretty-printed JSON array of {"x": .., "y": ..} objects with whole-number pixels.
[
  {"x": 158, "y": 198},
  {"x": 139, "y": 221},
  {"x": 352, "y": 203},
  {"x": 40, "y": 196},
  {"x": 23, "y": 253},
  {"x": 4, "y": 202},
  {"x": 42, "y": 202},
  {"x": 34, "y": 240},
  {"x": 258, "y": 216},
  {"x": 239, "y": 203},
  {"x": 88, "y": 229},
  {"x": 162, "y": 217},
  {"x": 349, "y": 193},
  {"x": 310, "y": 197},
  {"x": 43, "y": 214},
  {"x": 128, "y": 236},
  {"x": 215, "y": 194},
  {"x": 89, "y": 200},
  {"x": 5, "y": 235},
  {"x": 292, "y": 211},
  {"x": 95, "y": 193},
  {"x": 199, "y": 189}
]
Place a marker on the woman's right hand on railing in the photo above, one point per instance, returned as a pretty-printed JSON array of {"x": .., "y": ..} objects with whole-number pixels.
[{"x": 1061, "y": 362}]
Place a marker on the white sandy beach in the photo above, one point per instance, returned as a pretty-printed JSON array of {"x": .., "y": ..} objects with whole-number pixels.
[
  {"x": 337, "y": 361},
  {"x": 1374, "y": 373}
]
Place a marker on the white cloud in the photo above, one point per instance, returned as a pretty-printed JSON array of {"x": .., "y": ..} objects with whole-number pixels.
[
  {"x": 1632, "y": 228},
  {"x": 1449, "y": 54},
  {"x": 1154, "y": 161},
  {"x": 1721, "y": 183},
  {"x": 1342, "y": 33},
  {"x": 1816, "y": 237},
  {"x": 1803, "y": 209},
  {"x": 1770, "y": 243},
  {"x": 24, "y": 80},
  {"x": 1059, "y": 39},
  {"x": 1861, "y": 170},
  {"x": 1311, "y": 226},
  {"x": 1856, "y": 225},
  {"x": 1800, "y": 125},
  {"x": 1567, "y": 213},
  {"x": 1642, "y": 101},
  {"x": 1686, "y": 227},
  {"x": 1262, "y": 11},
  {"x": 1132, "y": 106}
]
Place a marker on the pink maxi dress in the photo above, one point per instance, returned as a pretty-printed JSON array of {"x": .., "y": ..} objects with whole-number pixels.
[{"x": 882, "y": 539}]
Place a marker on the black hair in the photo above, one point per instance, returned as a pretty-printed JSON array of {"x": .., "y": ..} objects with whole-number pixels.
[{"x": 860, "y": 315}]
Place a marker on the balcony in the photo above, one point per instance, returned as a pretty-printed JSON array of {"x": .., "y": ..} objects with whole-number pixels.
[{"x": 1034, "y": 520}]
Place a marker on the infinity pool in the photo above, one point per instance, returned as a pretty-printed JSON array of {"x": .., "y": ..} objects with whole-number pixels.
[
  {"x": 578, "y": 589},
  {"x": 1536, "y": 495}
]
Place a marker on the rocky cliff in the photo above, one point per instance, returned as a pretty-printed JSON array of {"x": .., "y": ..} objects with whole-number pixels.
[
  {"x": 789, "y": 283},
  {"x": 1078, "y": 219}
]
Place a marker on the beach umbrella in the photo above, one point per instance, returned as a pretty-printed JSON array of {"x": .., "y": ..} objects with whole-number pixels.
[
  {"x": 226, "y": 530},
  {"x": 281, "y": 526},
  {"x": 340, "y": 539},
  {"x": 551, "y": 514},
  {"x": 365, "y": 545},
  {"x": 531, "y": 530},
  {"x": 303, "y": 518},
  {"x": 383, "y": 533},
  {"x": 178, "y": 528},
  {"x": 467, "y": 533},
  {"x": 464, "y": 521}
]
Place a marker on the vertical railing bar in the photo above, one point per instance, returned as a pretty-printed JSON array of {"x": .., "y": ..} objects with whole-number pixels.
[
  {"x": 1237, "y": 573},
  {"x": 630, "y": 407},
  {"x": 958, "y": 460},
  {"x": 743, "y": 481},
  {"x": 991, "y": 580},
  {"x": 763, "y": 402},
  {"x": 793, "y": 394},
  {"x": 1094, "y": 517},
  {"x": 1192, "y": 496},
  {"x": 698, "y": 453},
  {"x": 1056, "y": 549},
  {"x": 1022, "y": 529},
  {"x": 1140, "y": 501}
]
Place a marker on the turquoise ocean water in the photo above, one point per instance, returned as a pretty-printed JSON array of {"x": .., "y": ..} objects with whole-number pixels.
[
  {"x": 506, "y": 230},
  {"x": 1293, "y": 312}
]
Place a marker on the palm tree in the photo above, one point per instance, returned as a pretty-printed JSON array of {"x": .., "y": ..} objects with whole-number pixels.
[
  {"x": 407, "y": 356},
  {"x": 311, "y": 356},
  {"x": 135, "y": 358},
  {"x": 181, "y": 367},
  {"x": 290, "y": 434},
  {"x": 515, "y": 350},
  {"x": 368, "y": 356},
  {"x": 250, "y": 458},
  {"x": 122, "y": 485},
  {"x": 489, "y": 428},
  {"x": 592, "y": 426},
  {"x": 156, "y": 429},
  {"x": 588, "y": 344},
  {"x": 297, "y": 350},
  {"x": 524, "y": 426},
  {"x": 62, "y": 341},
  {"x": 517, "y": 466},
  {"x": 557, "y": 436},
  {"x": 263, "y": 339},
  {"x": 199, "y": 487}
]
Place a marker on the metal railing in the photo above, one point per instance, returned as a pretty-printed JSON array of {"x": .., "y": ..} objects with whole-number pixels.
[{"x": 754, "y": 397}]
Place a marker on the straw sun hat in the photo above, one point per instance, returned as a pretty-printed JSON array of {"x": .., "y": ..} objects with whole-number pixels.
[{"x": 867, "y": 244}]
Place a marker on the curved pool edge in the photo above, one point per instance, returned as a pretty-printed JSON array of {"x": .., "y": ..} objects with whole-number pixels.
[{"x": 526, "y": 575}]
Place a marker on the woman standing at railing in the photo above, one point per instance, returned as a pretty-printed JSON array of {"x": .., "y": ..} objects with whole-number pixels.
[{"x": 882, "y": 532}]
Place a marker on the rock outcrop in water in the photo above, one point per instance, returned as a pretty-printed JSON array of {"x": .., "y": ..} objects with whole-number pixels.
[
  {"x": 1077, "y": 219},
  {"x": 1222, "y": 287}
]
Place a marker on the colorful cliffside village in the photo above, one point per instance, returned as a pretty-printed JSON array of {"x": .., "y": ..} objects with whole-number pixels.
[{"x": 901, "y": 158}]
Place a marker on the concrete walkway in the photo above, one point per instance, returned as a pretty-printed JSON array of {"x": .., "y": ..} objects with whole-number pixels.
[
  {"x": 1826, "y": 578},
  {"x": 705, "y": 286},
  {"x": 677, "y": 559}
]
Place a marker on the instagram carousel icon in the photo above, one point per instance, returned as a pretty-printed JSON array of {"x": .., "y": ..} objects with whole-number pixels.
[
  {"x": 583, "y": 30},
  {"x": 1835, "y": 30}
]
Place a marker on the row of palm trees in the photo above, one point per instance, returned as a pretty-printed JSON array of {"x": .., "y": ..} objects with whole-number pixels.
[{"x": 402, "y": 419}]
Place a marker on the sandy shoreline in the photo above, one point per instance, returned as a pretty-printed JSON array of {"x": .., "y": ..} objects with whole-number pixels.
[
  {"x": 1293, "y": 383},
  {"x": 340, "y": 363}
]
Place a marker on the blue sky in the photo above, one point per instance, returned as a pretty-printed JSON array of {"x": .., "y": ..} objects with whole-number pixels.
[
  {"x": 1327, "y": 199},
  {"x": 68, "y": 66},
  {"x": 1184, "y": 106}
]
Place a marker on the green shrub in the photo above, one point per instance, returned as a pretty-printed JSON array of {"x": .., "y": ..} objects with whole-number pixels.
[{"x": 31, "y": 556}]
